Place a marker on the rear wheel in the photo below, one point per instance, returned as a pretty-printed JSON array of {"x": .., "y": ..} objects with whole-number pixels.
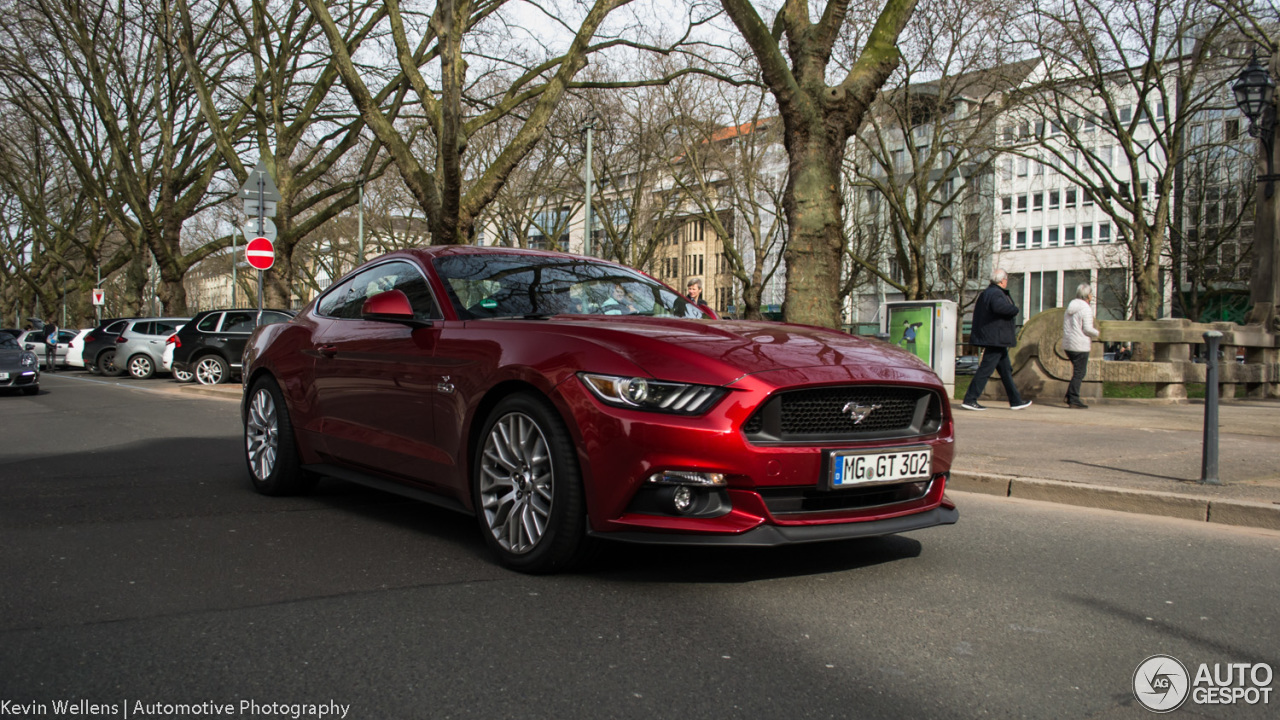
[
  {"x": 107, "y": 364},
  {"x": 527, "y": 488},
  {"x": 211, "y": 370},
  {"x": 270, "y": 452},
  {"x": 141, "y": 367}
]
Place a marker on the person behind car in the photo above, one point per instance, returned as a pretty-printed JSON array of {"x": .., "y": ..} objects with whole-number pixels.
[
  {"x": 51, "y": 345},
  {"x": 694, "y": 292}
]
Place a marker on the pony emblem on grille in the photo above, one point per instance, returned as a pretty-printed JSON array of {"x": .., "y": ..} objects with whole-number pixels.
[{"x": 858, "y": 411}]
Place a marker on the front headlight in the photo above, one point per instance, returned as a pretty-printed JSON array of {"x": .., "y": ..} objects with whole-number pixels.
[
  {"x": 29, "y": 360},
  {"x": 636, "y": 393}
]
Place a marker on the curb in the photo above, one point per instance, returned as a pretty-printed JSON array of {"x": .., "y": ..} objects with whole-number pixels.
[{"x": 1144, "y": 502}]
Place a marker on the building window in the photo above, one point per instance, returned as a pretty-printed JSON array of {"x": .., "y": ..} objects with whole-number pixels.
[
  {"x": 1069, "y": 236},
  {"x": 1053, "y": 237},
  {"x": 1071, "y": 197},
  {"x": 1006, "y": 204},
  {"x": 1037, "y": 201},
  {"x": 1085, "y": 199},
  {"x": 1126, "y": 113},
  {"x": 1022, "y": 203},
  {"x": 1022, "y": 239},
  {"x": 1054, "y": 199},
  {"x": 1086, "y": 235},
  {"x": 1004, "y": 241},
  {"x": 1104, "y": 232},
  {"x": 1022, "y": 167},
  {"x": 1037, "y": 238}
]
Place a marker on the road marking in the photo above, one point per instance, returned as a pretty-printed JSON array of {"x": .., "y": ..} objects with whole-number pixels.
[{"x": 109, "y": 383}]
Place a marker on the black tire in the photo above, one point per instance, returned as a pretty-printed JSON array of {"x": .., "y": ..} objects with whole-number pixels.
[
  {"x": 211, "y": 370},
  {"x": 270, "y": 452},
  {"x": 31, "y": 390},
  {"x": 562, "y": 541},
  {"x": 142, "y": 366},
  {"x": 107, "y": 363}
]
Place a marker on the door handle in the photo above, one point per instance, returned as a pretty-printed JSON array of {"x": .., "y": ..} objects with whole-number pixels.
[{"x": 328, "y": 350}]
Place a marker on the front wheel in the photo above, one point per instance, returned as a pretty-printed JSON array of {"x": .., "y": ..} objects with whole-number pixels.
[
  {"x": 211, "y": 370},
  {"x": 141, "y": 367},
  {"x": 527, "y": 488},
  {"x": 107, "y": 364},
  {"x": 269, "y": 448}
]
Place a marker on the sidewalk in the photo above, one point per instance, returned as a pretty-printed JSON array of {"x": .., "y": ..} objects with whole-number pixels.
[
  {"x": 1131, "y": 455},
  {"x": 1125, "y": 455}
]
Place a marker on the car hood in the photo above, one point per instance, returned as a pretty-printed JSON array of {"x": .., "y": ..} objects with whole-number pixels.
[
  {"x": 719, "y": 352},
  {"x": 11, "y": 359}
]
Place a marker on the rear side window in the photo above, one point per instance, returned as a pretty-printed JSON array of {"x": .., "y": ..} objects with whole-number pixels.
[
  {"x": 144, "y": 328},
  {"x": 347, "y": 300},
  {"x": 116, "y": 328},
  {"x": 239, "y": 322},
  {"x": 164, "y": 327},
  {"x": 271, "y": 318},
  {"x": 209, "y": 323}
]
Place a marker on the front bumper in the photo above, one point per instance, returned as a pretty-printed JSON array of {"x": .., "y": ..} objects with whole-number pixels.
[
  {"x": 774, "y": 493},
  {"x": 775, "y": 535},
  {"x": 21, "y": 378}
]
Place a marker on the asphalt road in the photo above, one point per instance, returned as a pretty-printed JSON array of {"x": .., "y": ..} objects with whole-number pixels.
[{"x": 137, "y": 566}]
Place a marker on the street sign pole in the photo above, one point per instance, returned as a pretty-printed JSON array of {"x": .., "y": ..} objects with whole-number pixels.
[{"x": 261, "y": 198}]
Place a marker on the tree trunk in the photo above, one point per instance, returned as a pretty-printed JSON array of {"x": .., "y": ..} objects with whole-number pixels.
[{"x": 813, "y": 204}]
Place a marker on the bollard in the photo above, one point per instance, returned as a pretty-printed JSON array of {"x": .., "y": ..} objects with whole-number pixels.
[{"x": 1209, "y": 458}]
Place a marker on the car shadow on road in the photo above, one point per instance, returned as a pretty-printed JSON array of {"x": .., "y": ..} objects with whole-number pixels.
[{"x": 676, "y": 564}]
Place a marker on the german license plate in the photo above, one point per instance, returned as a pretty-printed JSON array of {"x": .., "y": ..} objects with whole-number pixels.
[
  {"x": 4, "y": 376},
  {"x": 850, "y": 469}
]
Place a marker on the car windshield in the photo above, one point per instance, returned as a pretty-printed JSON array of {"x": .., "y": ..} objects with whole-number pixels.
[
  {"x": 8, "y": 342},
  {"x": 495, "y": 285}
]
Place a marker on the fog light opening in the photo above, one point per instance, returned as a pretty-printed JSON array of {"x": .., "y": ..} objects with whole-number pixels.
[{"x": 682, "y": 499}]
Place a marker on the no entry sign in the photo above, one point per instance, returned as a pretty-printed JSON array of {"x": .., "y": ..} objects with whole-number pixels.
[{"x": 260, "y": 253}]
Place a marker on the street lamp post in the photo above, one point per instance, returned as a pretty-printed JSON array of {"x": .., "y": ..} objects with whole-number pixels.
[{"x": 1255, "y": 95}]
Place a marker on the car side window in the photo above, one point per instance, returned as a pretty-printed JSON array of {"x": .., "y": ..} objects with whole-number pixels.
[
  {"x": 144, "y": 328},
  {"x": 238, "y": 322},
  {"x": 347, "y": 300},
  {"x": 164, "y": 327},
  {"x": 117, "y": 327},
  {"x": 209, "y": 323},
  {"x": 271, "y": 318}
]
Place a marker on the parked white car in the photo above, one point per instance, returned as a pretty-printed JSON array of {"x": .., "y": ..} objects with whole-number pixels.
[
  {"x": 75, "y": 349},
  {"x": 35, "y": 338},
  {"x": 167, "y": 360}
]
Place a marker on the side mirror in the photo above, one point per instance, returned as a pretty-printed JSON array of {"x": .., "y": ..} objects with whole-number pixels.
[
  {"x": 391, "y": 306},
  {"x": 30, "y": 347}
]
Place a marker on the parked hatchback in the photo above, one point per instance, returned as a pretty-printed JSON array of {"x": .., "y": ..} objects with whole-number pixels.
[
  {"x": 140, "y": 347},
  {"x": 211, "y": 344}
]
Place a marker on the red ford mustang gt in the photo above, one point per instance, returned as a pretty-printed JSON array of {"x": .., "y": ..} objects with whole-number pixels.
[{"x": 562, "y": 399}]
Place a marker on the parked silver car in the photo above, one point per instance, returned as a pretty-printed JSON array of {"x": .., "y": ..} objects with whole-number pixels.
[{"x": 140, "y": 348}]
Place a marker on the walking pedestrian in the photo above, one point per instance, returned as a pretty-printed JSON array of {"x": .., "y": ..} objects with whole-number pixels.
[
  {"x": 994, "y": 332},
  {"x": 51, "y": 345},
  {"x": 1078, "y": 335}
]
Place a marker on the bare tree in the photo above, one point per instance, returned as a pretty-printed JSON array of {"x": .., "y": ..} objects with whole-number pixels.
[
  {"x": 1123, "y": 82},
  {"x": 818, "y": 119},
  {"x": 732, "y": 168},
  {"x": 923, "y": 160},
  {"x": 277, "y": 99},
  {"x": 464, "y": 73}
]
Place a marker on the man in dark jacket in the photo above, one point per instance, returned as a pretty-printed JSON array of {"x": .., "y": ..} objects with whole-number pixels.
[
  {"x": 994, "y": 332},
  {"x": 51, "y": 345}
]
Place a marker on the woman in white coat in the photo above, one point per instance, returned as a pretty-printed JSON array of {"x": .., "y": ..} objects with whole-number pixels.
[{"x": 1078, "y": 334}]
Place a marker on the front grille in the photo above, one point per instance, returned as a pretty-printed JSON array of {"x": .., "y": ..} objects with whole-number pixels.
[
  {"x": 791, "y": 501},
  {"x": 830, "y": 414}
]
